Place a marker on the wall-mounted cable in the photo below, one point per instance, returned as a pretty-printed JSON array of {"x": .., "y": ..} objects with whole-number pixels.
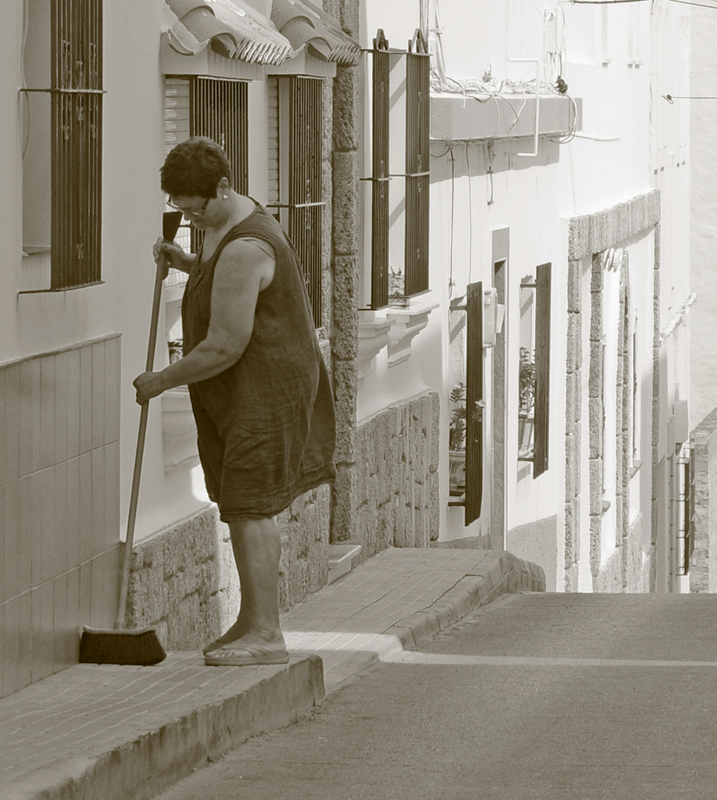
[{"x": 672, "y": 97}]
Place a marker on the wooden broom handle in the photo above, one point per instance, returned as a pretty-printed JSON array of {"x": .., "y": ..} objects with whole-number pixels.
[{"x": 139, "y": 453}]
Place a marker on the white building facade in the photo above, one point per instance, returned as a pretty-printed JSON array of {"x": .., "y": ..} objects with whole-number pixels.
[{"x": 558, "y": 189}]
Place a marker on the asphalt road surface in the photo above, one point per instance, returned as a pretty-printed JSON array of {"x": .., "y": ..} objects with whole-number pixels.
[{"x": 549, "y": 696}]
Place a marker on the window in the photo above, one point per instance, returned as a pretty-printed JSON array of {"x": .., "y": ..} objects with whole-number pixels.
[
  {"x": 380, "y": 177},
  {"x": 63, "y": 138},
  {"x": 418, "y": 129},
  {"x": 213, "y": 107},
  {"x": 534, "y": 369},
  {"x": 296, "y": 175}
]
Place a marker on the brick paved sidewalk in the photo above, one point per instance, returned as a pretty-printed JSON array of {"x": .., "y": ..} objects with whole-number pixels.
[{"x": 111, "y": 732}]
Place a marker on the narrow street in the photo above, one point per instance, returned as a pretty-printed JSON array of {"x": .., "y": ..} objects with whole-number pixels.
[{"x": 545, "y": 696}]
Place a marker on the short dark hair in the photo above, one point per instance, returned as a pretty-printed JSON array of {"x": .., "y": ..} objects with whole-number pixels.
[{"x": 194, "y": 168}]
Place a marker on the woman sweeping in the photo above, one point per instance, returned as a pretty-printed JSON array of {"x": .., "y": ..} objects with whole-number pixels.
[{"x": 259, "y": 388}]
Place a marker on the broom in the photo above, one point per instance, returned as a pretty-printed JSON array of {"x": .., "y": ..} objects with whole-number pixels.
[{"x": 122, "y": 646}]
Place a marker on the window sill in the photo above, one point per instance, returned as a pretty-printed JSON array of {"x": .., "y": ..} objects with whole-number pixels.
[
  {"x": 635, "y": 468},
  {"x": 406, "y": 324},
  {"x": 29, "y": 250},
  {"x": 373, "y": 337},
  {"x": 63, "y": 290}
]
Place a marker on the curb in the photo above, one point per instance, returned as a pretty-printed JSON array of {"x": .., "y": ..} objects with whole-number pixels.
[
  {"x": 154, "y": 761},
  {"x": 500, "y": 572}
]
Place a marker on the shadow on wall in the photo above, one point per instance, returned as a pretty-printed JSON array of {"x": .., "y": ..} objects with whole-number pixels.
[{"x": 536, "y": 542}]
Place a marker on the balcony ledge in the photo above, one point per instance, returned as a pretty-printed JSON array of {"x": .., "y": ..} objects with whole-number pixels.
[{"x": 464, "y": 118}]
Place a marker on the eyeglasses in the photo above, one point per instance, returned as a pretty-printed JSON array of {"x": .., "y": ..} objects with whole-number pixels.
[{"x": 193, "y": 212}]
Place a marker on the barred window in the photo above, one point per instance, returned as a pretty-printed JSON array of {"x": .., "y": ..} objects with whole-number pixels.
[
  {"x": 213, "y": 107},
  {"x": 62, "y": 145},
  {"x": 295, "y": 172}
]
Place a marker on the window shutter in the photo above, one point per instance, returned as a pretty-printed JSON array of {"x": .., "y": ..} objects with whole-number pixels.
[
  {"x": 542, "y": 369},
  {"x": 474, "y": 403},
  {"x": 418, "y": 128},
  {"x": 176, "y": 112},
  {"x": 380, "y": 177}
]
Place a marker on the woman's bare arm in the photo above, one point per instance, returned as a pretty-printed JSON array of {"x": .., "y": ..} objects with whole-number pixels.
[{"x": 242, "y": 271}]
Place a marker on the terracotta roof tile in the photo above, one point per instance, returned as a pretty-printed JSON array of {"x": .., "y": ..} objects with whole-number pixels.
[
  {"x": 230, "y": 28},
  {"x": 306, "y": 25}
]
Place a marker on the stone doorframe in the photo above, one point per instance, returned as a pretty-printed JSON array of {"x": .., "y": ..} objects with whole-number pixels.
[{"x": 590, "y": 236}]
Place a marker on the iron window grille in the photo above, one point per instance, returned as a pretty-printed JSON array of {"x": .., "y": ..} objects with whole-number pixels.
[
  {"x": 298, "y": 185},
  {"x": 75, "y": 142},
  {"x": 418, "y": 128},
  {"x": 219, "y": 109}
]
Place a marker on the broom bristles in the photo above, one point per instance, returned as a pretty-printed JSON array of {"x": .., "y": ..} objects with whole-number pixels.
[{"x": 137, "y": 647}]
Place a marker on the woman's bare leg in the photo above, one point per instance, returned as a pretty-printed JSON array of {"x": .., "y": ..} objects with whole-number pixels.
[{"x": 257, "y": 550}]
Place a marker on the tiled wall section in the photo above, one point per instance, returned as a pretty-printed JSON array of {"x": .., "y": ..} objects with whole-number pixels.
[{"x": 59, "y": 506}]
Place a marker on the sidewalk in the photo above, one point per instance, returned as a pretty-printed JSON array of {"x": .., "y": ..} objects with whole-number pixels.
[{"x": 109, "y": 732}]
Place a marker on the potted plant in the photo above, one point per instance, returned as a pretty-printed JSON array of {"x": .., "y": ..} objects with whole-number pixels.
[
  {"x": 526, "y": 407},
  {"x": 457, "y": 441},
  {"x": 396, "y": 287}
]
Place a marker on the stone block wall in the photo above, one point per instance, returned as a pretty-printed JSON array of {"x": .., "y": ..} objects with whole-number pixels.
[
  {"x": 703, "y": 578},
  {"x": 184, "y": 581},
  {"x": 392, "y": 497},
  {"x": 573, "y": 424}
]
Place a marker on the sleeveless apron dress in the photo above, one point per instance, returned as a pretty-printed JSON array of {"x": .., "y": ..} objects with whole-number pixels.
[{"x": 266, "y": 426}]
